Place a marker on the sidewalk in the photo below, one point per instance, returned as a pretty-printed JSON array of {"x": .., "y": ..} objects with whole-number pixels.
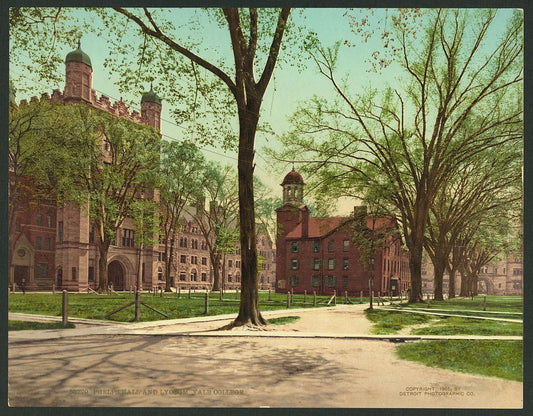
[{"x": 341, "y": 321}]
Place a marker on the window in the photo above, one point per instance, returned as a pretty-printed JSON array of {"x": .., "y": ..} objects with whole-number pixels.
[
  {"x": 91, "y": 235},
  {"x": 91, "y": 273},
  {"x": 331, "y": 245},
  {"x": 204, "y": 245},
  {"x": 294, "y": 247},
  {"x": 39, "y": 219},
  {"x": 295, "y": 264},
  {"x": 331, "y": 281},
  {"x": 193, "y": 276},
  {"x": 128, "y": 238},
  {"x": 183, "y": 242},
  {"x": 182, "y": 277},
  {"x": 294, "y": 280},
  {"x": 317, "y": 264},
  {"x": 47, "y": 244},
  {"x": 204, "y": 277},
  {"x": 38, "y": 244},
  {"x": 517, "y": 272},
  {"x": 60, "y": 231},
  {"x": 49, "y": 221},
  {"x": 194, "y": 260},
  {"x": 42, "y": 269},
  {"x": 230, "y": 263},
  {"x": 345, "y": 264},
  {"x": 159, "y": 273},
  {"x": 316, "y": 281},
  {"x": 345, "y": 245},
  {"x": 316, "y": 246},
  {"x": 229, "y": 277},
  {"x": 204, "y": 261},
  {"x": 332, "y": 263},
  {"x": 237, "y": 264},
  {"x": 344, "y": 281},
  {"x": 183, "y": 259},
  {"x": 74, "y": 273}
]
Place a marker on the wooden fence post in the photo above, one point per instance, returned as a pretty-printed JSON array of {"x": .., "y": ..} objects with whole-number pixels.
[
  {"x": 206, "y": 302},
  {"x": 484, "y": 303},
  {"x": 269, "y": 297},
  {"x": 361, "y": 297},
  {"x": 189, "y": 292},
  {"x": 305, "y": 295},
  {"x": 335, "y": 297},
  {"x": 346, "y": 297},
  {"x": 314, "y": 297},
  {"x": 53, "y": 288},
  {"x": 64, "y": 311},
  {"x": 288, "y": 299}
]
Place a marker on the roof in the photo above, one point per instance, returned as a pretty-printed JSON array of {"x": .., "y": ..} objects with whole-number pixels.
[
  {"x": 151, "y": 97},
  {"x": 321, "y": 227},
  {"x": 78, "y": 56},
  {"x": 292, "y": 177}
]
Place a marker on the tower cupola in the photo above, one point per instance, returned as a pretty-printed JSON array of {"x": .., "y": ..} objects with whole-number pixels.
[
  {"x": 293, "y": 188},
  {"x": 79, "y": 76},
  {"x": 151, "y": 109}
]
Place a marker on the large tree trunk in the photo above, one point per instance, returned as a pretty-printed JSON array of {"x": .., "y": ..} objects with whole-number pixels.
[
  {"x": 451, "y": 287},
  {"x": 439, "y": 266},
  {"x": 249, "y": 307},
  {"x": 415, "y": 266},
  {"x": 215, "y": 261}
]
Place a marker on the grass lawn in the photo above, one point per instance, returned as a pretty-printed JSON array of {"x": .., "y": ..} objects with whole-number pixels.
[
  {"x": 283, "y": 320},
  {"x": 513, "y": 304},
  {"x": 488, "y": 358},
  {"x": 92, "y": 306},
  {"x": 390, "y": 322},
  {"x": 465, "y": 326},
  {"x": 23, "y": 325}
]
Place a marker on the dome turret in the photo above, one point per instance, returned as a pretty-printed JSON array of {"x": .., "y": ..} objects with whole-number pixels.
[
  {"x": 150, "y": 97},
  {"x": 78, "y": 55},
  {"x": 293, "y": 188}
]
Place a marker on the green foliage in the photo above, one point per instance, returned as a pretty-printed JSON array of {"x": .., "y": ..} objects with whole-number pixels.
[{"x": 501, "y": 359}]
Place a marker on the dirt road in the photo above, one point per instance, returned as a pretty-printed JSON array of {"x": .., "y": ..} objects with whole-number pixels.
[{"x": 164, "y": 367}]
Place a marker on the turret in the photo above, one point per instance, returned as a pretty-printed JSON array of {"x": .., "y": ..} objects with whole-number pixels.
[
  {"x": 79, "y": 76},
  {"x": 151, "y": 109}
]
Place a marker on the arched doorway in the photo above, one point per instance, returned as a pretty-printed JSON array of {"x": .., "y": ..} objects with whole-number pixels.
[{"x": 115, "y": 275}]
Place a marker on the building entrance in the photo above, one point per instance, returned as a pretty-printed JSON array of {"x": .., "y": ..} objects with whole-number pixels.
[
  {"x": 22, "y": 272},
  {"x": 115, "y": 275}
]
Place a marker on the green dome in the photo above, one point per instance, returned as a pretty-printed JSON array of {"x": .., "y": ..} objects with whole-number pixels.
[
  {"x": 78, "y": 56},
  {"x": 150, "y": 97}
]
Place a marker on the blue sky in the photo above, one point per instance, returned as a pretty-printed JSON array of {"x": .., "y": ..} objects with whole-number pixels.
[{"x": 288, "y": 87}]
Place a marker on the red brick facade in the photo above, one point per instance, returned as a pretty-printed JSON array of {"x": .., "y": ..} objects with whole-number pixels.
[
  {"x": 318, "y": 254},
  {"x": 55, "y": 245}
]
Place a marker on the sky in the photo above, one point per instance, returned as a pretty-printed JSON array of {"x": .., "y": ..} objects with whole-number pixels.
[{"x": 287, "y": 89}]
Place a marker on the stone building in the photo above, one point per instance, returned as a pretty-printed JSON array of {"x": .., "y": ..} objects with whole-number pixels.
[
  {"x": 501, "y": 277},
  {"x": 318, "y": 254},
  {"x": 55, "y": 246}
]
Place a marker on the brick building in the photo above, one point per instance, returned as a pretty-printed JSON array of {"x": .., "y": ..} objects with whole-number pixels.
[
  {"x": 55, "y": 245},
  {"x": 318, "y": 254}
]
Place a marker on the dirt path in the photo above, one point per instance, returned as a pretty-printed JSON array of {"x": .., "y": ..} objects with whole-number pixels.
[{"x": 173, "y": 370}]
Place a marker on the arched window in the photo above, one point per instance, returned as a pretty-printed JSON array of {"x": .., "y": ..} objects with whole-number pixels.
[{"x": 160, "y": 273}]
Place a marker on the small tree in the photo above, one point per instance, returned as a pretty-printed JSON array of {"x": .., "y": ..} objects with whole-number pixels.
[
  {"x": 182, "y": 181},
  {"x": 218, "y": 220}
]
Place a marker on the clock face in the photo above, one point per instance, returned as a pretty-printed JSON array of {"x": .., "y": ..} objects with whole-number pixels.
[{"x": 21, "y": 252}]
